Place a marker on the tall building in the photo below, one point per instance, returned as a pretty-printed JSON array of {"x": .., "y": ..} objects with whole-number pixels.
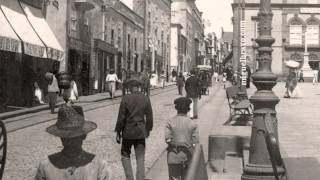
[
  {"x": 156, "y": 14},
  {"x": 291, "y": 20},
  {"x": 186, "y": 14},
  {"x": 118, "y": 42}
]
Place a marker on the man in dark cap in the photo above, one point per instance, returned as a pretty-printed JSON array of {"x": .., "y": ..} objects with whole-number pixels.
[
  {"x": 181, "y": 134},
  {"x": 72, "y": 162},
  {"x": 193, "y": 87},
  {"x": 135, "y": 121}
]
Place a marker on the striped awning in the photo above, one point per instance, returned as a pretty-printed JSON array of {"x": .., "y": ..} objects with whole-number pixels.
[
  {"x": 41, "y": 27},
  {"x": 32, "y": 45},
  {"x": 9, "y": 41}
]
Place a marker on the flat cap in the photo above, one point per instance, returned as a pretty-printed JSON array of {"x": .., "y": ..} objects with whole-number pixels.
[{"x": 182, "y": 102}]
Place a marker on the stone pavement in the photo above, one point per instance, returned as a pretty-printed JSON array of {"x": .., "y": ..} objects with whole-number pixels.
[{"x": 298, "y": 126}]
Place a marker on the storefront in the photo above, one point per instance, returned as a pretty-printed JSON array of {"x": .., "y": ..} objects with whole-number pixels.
[
  {"x": 79, "y": 64},
  {"x": 28, "y": 49},
  {"x": 106, "y": 56}
]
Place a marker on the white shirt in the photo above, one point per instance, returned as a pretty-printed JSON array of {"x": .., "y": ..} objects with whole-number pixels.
[
  {"x": 112, "y": 78},
  {"x": 53, "y": 87}
]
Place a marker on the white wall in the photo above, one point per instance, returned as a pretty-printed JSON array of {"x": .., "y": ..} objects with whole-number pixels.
[{"x": 174, "y": 47}]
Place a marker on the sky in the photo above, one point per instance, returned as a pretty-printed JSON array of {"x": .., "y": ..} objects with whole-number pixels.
[{"x": 217, "y": 12}]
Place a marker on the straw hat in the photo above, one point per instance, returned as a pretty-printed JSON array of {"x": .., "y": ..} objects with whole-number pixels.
[{"x": 71, "y": 123}]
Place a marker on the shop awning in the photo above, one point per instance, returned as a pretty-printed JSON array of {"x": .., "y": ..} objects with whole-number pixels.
[
  {"x": 41, "y": 27},
  {"x": 32, "y": 44},
  {"x": 9, "y": 41}
]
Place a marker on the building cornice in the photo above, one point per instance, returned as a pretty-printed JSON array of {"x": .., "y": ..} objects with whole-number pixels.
[{"x": 276, "y": 5}]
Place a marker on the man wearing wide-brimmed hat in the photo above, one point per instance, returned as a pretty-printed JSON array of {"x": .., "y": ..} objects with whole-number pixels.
[
  {"x": 135, "y": 121},
  {"x": 72, "y": 162},
  {"x": 181, "y": 134}
]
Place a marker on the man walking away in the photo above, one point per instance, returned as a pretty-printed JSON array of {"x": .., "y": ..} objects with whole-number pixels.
[
  {"x": 53, "y": 90},
  {"x": 135, "y": 121},
  {"x": 180, "y": 82},
  {"x": 193, "y": 86},
  {"x": 301, "y": 76},
  {"x": 181, "y": 134}
]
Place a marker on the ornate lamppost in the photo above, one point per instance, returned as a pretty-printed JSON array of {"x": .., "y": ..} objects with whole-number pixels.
[{"x": 264, "y": 100}]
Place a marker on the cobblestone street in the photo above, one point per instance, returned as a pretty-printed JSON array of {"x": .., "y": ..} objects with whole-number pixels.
[{"x": 28, "y": 146}]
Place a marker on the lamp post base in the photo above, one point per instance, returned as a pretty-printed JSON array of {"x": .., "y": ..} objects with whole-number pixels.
[{"x": 261, "y": 172}]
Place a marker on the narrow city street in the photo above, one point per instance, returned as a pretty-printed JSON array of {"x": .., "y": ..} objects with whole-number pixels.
[{"x": 27, "y": 146}]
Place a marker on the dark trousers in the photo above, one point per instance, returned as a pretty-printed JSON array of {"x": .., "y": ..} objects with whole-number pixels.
[
  {"x": 177, "y": 171},
  {"x": 139, "y": 148},
  {"x": 180, "y": 89},
  {"x": 301, "y": 79},
  {"x": 52, "y": 100}
]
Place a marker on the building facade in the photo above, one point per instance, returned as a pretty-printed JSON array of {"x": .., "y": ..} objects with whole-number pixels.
[
  {"x": 157, "y": 19},
  {"x": 187, "y": 15},
  {"x": 292, "y": 20},
  {"x": 118, "y": 34}
]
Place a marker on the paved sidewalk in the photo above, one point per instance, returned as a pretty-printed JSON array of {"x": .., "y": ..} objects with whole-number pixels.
[
  {"x": 298, "y": 126},
  {"x": 82, "y": 99}
]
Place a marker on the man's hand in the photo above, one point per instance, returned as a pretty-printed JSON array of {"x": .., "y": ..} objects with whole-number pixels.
[{"x": 118, "y": 138}]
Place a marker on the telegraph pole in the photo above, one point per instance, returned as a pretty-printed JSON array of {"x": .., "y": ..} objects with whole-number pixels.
[{"x": 264, "y": 100}]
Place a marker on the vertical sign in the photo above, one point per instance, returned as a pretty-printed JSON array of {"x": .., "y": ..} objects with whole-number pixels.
[
  {"x": 243, "y": 46},
  {"x": 243, "y": 53}
]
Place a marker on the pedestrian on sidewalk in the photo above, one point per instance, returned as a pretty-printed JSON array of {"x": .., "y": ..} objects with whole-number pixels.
[
  {"x": 181, "y": 135},
  {"x": 301, "y": 76},
  {"x": 216, "y": 76},
  {"x": 72, "y": 92},
  {"x": 315, "y": 77},
  {"x": 135, "y": 121},
  {"x": 180, "y": 82},
  {"x": 72, "y": 162},
  {"x": 193, "y": 88},
  {"x": 53, "y": 90},
  {"x": 112, "y": 79},
  {"x": 224, "y": 79}
]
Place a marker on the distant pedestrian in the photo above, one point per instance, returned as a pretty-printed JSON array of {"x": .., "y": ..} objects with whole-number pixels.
[
  {"x": 135, "y": 121},
  {"x": 72, "y": 92},
  {"x": 216, "y": 76},
  {"x": 224, "y": 79},
  {"x": 174, "y": 75},
  {"x": 181, "y": 135},
  {"x": 38, "y": 93},
  {"x": 111, "y": 80},
  {"x": 72, "y": 162},
  {"x": 53, "y": 90},
  {"x": 193, "y": 89},
  {"x": 162, "y": 79},
  {"x": 180, "y": 82},
  {"x": 153, "y": 79},
  {"x": 293, "y": 90},
  {"x": 301, "y": 78},
  {"x": 315, "y": 77}
]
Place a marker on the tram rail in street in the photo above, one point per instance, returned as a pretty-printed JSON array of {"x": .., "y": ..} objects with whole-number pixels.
[{"x": 29, "y": 121}]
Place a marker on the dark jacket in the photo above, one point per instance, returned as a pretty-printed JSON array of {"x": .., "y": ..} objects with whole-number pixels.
[
  {"x": 135, "y": 119},
  {"x": 180, "y": 81},
  {"x": 192, "y": 87}
]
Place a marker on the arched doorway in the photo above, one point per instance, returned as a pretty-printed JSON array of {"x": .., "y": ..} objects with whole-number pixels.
[{"x": 314, "y": 61}]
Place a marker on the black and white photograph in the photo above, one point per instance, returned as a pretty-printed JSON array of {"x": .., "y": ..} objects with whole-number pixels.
[{"x": 159, "y": 89}]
